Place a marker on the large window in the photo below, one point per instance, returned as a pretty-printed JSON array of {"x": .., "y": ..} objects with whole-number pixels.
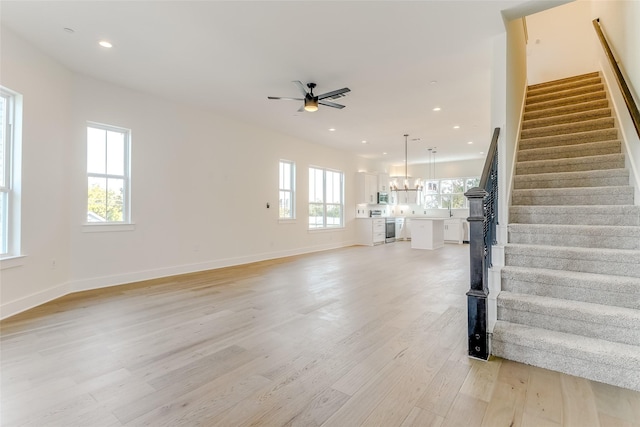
[
  {"x": 326, "y": 201},
  {"x": 448, "y": 193},
  {"x": 9, "y": 175},
  {"x": 107, "y": 174},
  {"x": 287, "y": 190}
]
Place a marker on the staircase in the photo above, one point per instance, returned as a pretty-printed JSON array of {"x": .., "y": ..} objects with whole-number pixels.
[{"x": 570, "y": 297}]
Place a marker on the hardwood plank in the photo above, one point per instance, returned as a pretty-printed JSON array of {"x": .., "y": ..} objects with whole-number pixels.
[
  {"x": 578, "y": 402},
  {"x": 422, "y": 418},
  {"x": 544, "y": 396},
  {"x": 481, "y": 379}
]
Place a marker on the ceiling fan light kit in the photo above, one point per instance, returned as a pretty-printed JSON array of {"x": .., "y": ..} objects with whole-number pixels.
[{"x": 311, "y": 101}]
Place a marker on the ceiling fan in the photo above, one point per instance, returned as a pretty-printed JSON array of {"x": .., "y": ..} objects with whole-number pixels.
[{"x": 311, "y": 101}]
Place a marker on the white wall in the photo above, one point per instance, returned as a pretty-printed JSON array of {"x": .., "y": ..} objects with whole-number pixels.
[
  {"x": 620, "y": 22},
  {"x": 200, "y": 185},
  {"x": 46, "y": 89},
  {"x": 561, "y": 43}
]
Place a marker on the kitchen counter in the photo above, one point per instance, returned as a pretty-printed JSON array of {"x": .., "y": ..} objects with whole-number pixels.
[{"x": 427, "y": 233}]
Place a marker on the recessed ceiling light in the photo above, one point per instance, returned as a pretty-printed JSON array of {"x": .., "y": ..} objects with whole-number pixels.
[
  {"x": 364, "y": 142},
  {"x": 482, "y": 152},
  {"x": 332, "y": 130},
  {"x": 456, "y": 127},
  {"x": 105, "y": 43},
  {"x": 384, "y": 154},
  {"x": 437, "y": 109},
  {"x": 433, "y": 82},
  {"x": 470, "y": 142}
]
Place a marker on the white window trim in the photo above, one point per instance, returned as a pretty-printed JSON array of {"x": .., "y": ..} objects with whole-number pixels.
[
  {"x": 439, "y": 193},
  {"x": 126, "y": 224},
  {"x": 292, "y": 192},
  {"x": 13, "y": 256},
  {"x": 324, "y": 198}
]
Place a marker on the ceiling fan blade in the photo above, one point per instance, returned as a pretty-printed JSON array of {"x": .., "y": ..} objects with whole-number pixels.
[
  {"x": 285, "y": 98},
  {"x": 334, "y": 93},
  {"x": 331, "y": 104},
  {"x": 300, "y": 86}
]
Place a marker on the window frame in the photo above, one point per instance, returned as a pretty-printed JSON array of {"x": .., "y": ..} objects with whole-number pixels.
[
  {"x": 439, "y": 194},
  {"x": 324, "y": 204},
  {"x": 126, "y": 177},
  {"x": 10, "y": 246},
  {"x": 291, "y": 190}
]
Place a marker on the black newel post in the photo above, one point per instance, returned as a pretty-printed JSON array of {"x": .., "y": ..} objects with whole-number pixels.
[{"x": 477, "y": 295}]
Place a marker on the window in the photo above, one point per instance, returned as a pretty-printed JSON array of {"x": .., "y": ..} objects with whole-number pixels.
[
  {"x": 9, "y": 174},
  {"x": 107, "y": 174},
  {"x": 287, "y": 190},
  {"x": 448, "y": 193},
  {"x": 326, "y": 203}
]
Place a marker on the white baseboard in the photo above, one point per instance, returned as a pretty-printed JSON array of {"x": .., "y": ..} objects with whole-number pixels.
[
  {"x": 23, "y": 304},
  {"x": 14, "y": 307}
]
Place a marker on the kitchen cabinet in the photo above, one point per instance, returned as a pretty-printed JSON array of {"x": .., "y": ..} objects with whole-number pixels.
[
  {"x": 403, "y": 231},
  {"x": 383, "y": 183},
  {"x": 366, "y": 188},
  {"x": 453, "y": 231},
  {"x": 427, "y": 233},
  {"x": 370, "y": 231}
]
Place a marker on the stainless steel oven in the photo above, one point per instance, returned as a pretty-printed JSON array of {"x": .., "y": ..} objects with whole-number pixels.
[{"x": 390, "y": 230}]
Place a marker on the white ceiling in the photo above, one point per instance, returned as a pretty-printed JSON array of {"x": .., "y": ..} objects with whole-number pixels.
[{"x": 229, "y": 56}]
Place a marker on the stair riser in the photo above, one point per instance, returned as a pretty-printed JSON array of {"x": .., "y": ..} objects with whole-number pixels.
[
  {"x": 621, "y": 376},
  {"x": 566, "y": 109},
  {"x": 561, "y": 102},
  {"x": 563, "y": 94},
  {"x": 557, "y": 322},
  {"x": 570, "y": 151},
  {"x": 576, "y": 240},
  {"x": 580, "y": 80},
  {"x": 570, "y": 128},
  {"x": 623, "y": 267},
  {"x": 566, "y": 119},
  {"x": 569, "y": 183},
  {"x": 575, "y": 218},
  {"x": 565, "y": 291},
  {"x": 580, "y": 164},
  {"x": 570, "y": 139}
]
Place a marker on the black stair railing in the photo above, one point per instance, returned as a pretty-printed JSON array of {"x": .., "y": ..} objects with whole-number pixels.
[
  {"x": 483, "y": 218},
  {"x": 622, "y": 83}
]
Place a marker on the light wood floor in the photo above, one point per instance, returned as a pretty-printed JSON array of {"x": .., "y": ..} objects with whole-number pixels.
[{"x": 358, "y": 336}]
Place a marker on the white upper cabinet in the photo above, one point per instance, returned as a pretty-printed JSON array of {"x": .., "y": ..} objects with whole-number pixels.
[{"x": 366, "y": 188}]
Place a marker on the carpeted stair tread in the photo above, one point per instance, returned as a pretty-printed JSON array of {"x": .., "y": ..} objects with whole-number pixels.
[
  {"x": 621, "y": 291},
  {"x": 593, "y": 178},
  {"x": 564, "y": 94},
  {"x": 571, "y": 164},
  {"x": 559, "y": 102},
  {"x": 595, "y": 359},
  {"x": 576, "y": 317},
  {"x": 594, "y": 215},
  {"x": 587, "y": 149},
  {"x": 589, "y": 236},
  {"x": 571, "y": 84},
  {"x": 613, "y": 195},
  {"x": 620, "y": 262},
  {"x": 564, "y": 80},
  {"x": 597, "y": 104},
  {"x": 568, "y": 128},
  {"x": 566, "y": 118},
  {"x": 569, "y": 139}
]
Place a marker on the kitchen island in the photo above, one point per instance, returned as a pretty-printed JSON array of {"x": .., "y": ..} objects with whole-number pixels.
[{"x": 427, "y": 233}]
